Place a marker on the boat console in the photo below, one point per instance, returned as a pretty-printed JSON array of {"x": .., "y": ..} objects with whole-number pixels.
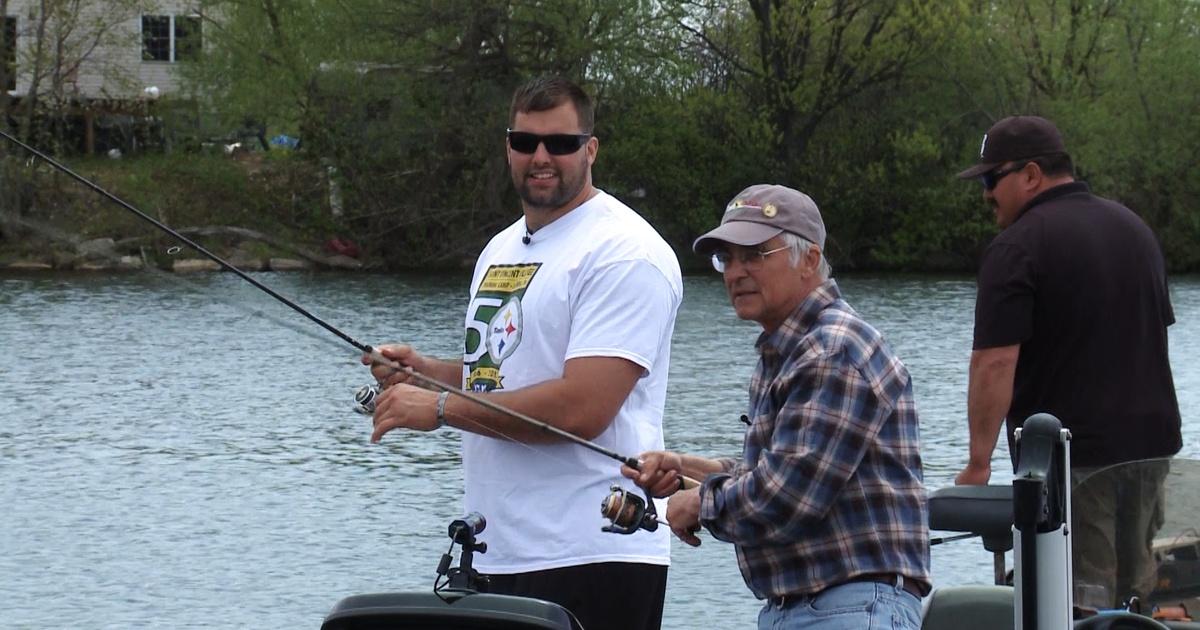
[{"x": 1033, "y": 518}]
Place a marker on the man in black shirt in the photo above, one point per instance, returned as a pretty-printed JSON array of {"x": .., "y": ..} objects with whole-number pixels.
[{"x": 1071, "y": 318}]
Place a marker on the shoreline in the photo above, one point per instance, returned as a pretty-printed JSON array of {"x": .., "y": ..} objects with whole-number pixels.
[
  {"x": 184, "y": 265},
  {"x": 253, "y": 252}
]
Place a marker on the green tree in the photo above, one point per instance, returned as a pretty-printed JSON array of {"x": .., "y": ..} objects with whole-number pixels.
[
  {"x": 407, "y": 100},
  {"x": 871, "y": 106},
  {"x": 801, "y": 60},
  {"x": 1121, "y": 81},
  {"x": 1139, "y": 141}
]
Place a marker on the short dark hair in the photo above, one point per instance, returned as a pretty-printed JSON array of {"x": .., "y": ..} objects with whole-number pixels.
[
  {"x": 548, "y": 92},
  {"x": 1055, "y": 164}
]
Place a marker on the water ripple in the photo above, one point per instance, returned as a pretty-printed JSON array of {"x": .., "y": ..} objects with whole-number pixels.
[{"x": 170, "y": 455}]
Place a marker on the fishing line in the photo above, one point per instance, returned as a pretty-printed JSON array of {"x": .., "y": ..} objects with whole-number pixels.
[
  {"x": 190, "y": 243},
  {"x": 176, "y": 278},
  {"x": 375, "y": 355}
]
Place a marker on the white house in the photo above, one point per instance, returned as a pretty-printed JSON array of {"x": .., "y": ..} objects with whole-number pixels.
[
  {"x": 105, "y": 48},
  {"x": 94, "y": 57}
]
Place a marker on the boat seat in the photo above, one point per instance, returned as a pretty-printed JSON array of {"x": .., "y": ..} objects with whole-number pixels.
[
  {"x": 459, "y": 610},
  {"x": 983, "y": 510},
  {"x": 979, "y": 607}
]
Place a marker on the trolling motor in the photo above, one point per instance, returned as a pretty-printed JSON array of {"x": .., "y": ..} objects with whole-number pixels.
[
  {"x": 464, "y": 577},
  {"x": 628, "y": 512}
]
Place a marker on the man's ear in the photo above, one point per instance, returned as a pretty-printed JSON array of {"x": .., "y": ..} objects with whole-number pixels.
[
  {"x": 813, "y": 259},
  {"x": 593, "y": 147},
  {"x": 1034, "y": 172},
  {"x": 809, "y": 262}
]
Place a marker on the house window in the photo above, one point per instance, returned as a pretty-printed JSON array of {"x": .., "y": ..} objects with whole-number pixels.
[
  {"x": 170, "y": 37},
  {"x": 8, "y": 52}
]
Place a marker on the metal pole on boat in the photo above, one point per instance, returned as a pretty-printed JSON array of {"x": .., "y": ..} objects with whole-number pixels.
[{"x": 1041, "y": 519}]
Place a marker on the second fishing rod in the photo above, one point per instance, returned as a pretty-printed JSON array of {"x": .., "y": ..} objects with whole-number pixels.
[{"x": 366, "y": 349}]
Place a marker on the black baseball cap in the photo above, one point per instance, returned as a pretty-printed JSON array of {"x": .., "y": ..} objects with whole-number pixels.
[{"x": 1015, "y": 138}]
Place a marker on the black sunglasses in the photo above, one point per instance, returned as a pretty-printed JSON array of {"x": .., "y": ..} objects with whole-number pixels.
[
  {"x": 991, "y": 178},
  {"x": 556, "y": 143}
]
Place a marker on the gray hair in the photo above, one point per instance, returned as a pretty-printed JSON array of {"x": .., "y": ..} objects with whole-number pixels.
[{"x": 798, "y": 247}]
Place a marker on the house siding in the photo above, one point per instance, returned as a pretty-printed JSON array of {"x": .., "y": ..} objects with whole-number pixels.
[{"x": 114, "y": 68}]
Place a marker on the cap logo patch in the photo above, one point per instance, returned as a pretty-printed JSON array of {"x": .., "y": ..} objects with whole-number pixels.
[
  {"x": 983, "y": 145},
  {"x": 738, "y": 204},
  {"x": 769, "y": 210}
]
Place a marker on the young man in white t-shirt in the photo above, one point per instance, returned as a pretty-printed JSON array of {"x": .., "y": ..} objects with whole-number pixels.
[{"x": 570, "y": 320}]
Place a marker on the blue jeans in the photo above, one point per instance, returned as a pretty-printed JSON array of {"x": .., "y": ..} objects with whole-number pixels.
[{"x": 850, "y": 606}]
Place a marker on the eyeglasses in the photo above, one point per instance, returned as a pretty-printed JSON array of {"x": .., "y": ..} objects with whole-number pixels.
[
  {"x": 992, "y": 178},
  {"x": 556, "y": 143},
  {"x": 751, "y": 259}
]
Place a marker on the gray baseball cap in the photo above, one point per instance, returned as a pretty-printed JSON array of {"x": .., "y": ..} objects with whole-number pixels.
[{"x": 762, "y": 212}]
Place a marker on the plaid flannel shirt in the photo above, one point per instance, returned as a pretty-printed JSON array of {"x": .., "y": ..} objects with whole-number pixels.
[{"x": 830, "y": 485}]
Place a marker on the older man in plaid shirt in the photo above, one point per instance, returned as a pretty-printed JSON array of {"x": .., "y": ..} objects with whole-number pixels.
[{"x": 826, "y": 508}]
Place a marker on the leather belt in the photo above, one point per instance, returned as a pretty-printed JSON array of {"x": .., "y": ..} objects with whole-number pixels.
[{"x": 912, "y": 587}]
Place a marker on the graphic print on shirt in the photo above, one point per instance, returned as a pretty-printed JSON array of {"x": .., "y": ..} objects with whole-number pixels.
[{"x": 495, "y": 323}]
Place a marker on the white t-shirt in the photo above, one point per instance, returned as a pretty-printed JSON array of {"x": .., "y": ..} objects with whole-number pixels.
[{"x": 597, "y": 282}]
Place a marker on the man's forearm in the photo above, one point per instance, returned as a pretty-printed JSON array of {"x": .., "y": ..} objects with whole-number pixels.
[
  {"x": 443, "y": 370},
  {"x": 582, "y": 402},
  {"x": 983, "y": 419},
  {"x": 989, "y": 395},
  {"x": 698, "y": 467},
  {"x": 546, "y": 402}
]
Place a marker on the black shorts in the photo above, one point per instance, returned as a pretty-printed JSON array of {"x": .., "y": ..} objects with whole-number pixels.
[{"x": 602, "y": 596}]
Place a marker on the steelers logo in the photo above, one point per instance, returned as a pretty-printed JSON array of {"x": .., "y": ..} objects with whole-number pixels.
[{"x": 504, "y": 331}]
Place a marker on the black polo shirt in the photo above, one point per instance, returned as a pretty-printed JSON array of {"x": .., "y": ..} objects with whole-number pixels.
[{"x": 1080, "y": 283}]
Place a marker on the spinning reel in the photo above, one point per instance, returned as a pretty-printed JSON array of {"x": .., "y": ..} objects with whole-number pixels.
[
  {"x": 628, "y": 512},
  {"x": 364, "y": 399}
]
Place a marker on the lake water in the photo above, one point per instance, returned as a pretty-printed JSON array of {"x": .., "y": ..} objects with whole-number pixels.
[{"x": 182, "y": 451}]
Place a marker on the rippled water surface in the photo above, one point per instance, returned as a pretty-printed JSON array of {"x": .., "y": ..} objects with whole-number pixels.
[{"x": 181, "y": 451}]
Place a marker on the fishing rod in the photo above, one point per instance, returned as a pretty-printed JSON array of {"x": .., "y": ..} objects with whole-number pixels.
[
  {"x": 376, "y": 356},
  {"x": 189, "y": 242},
  {"x": 366, "y": 396}
]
